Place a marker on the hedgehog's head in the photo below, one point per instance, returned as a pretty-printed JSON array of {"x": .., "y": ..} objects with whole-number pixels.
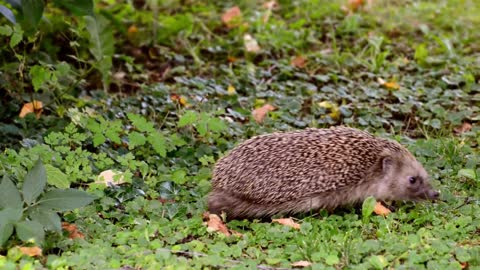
[{"x": 403, "y": 178}]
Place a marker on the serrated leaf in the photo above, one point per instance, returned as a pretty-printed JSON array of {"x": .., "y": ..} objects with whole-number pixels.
[
  {"x": 49, "y": 219},
  {"x": 135, "y": 139},
  {"x": 16, "y": 38},
  {"x": 141, "y": 123},
  {"x": 7, "y": 13},
  {"x": 56, "y": 177},
  {"x": 179, "y": 176},
  {"x": 158, "y": 143},
  {"x": 39, "y": 76},
  {"x": 9, "y": 194},
  {"x": 77, "y": 7},
  {"x": 216, "y": 124},
  {"x": 32, "y": 13},
  {"x": 34, "y": 183},
  {"x": 187, "y": 119},
  {"x": 98, "y": 139},
  {"x": 112, "y": 134},
  {"x": 468, "y": 173},
  {"x": 5, "y": 30},
  {"x": 368, "y": 206},
  {"x": 65, "y": 199},
  {"x": 30, "y": 230}
]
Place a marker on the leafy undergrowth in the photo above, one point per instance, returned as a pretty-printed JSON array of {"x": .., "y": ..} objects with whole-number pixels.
[{"x": 408, "y": 70}]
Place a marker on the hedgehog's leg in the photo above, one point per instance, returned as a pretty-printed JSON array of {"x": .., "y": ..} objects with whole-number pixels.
[{"x": 236, "y": 208}]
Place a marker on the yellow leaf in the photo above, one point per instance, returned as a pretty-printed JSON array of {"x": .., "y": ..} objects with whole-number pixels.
[
  {"x": 32, "y": 107},
  {"x": 381, "y": 210},
  {"x": 231, "y": 90},
  {"x": 388, "y": 85},
  {"x": 31, "y": 251},
  {"x": 287, "y": 222},
  {"x": 334, "y": 110}
]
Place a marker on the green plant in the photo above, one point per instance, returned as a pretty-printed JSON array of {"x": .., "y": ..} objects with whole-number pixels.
[{"x": 33, "y": 210}]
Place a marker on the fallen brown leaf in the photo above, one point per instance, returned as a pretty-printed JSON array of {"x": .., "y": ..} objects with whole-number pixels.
[
  {"x": 298, "y": 61},
  {"x": 31, "y": 251},
  {"x": 231, "y": 17},
  {"x": 388, "y": 85},
  {"x": 301, "y": 264},
  {"x": 287, "y": 222},
  {"x": 32, "y": 107},
  {"x": 73, "y": 230},
  {"x": 260, "y": 113},
  {"x": 215, "y": 224},
  {"x": 381, "y": 210},
  {"x": 465, "y": 127}
]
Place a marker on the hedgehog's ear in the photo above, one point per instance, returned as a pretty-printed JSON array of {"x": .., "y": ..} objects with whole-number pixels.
[{"x": 387, "y": 163}]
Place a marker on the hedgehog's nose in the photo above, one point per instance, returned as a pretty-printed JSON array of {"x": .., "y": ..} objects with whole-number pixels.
[{"x": 433, "y": 194}]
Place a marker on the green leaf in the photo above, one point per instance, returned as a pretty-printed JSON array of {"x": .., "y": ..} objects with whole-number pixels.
[
  {"x": 6, "y": 231},
  {"x": 378, "y": 262},
  {"x": 135, "y": 139},
  {"x": 9, "y": 194},
  {"x": 39, "y": 76},
  {"x": 56, "y": 177},
  {"x": 112, "y": 134},
  {"x": 77, "y": 7},
  {"x": 16, "y": 37},
  {"x": 5, "y": 30},
  {"x": 187, "y": 119},
  {"x": 49, "y": 219},
  {"x": 34, "y": 183},
  {"x": 7, "y": 13},
  {"x": 98, "y": 139},
  {"x": 32, "y": 13},
  {"x": 216, "y": 124},
  {"x": 10, "y": 215},
  {"x": 179, "y": 176},
  {"x": 66, "y": 199},
  {"x": 101, "y": 37},
  {"x": 158, "y": 143},
  {"x": 332, "y": 259},
  {"x": 468, "y": 173},
  {"x": 367, "y": 207},
  {"x": 141, "y": 123},
  {"x": 421, "y": 53},
  {"x": 28, "y": 230}
]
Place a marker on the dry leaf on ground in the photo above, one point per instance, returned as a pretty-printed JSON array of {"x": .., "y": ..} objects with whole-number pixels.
[
  {"x": 73, "y": 230},
  {"x": 232, "y": 17},
  {"x": 465, "y": 127},
  {"x": 270, "y": 5},
  {"x": 287, "y": 222},
  {"x": 215, "y": 224},
  {"x": 251, "y": 45},
  {"x": 388, "y": 85},
  {"x": 180, "y": 99},
  {"x": 260, "y": 113},
  {"x": 381, "y": 210},
  {"x": 301, "y": 264},
  {"x": 110, "y": 178},
  {"x": 298, "y": 62},
  {"x": 32, "y": 107},
  {"x": 31, "y": 251}
]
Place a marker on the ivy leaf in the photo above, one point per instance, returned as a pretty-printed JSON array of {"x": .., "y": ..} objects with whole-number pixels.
[
  {"x": 34, "y": 183},
  {"x": 187, "y": 119},
  {"x": 56, "y": 177},
  {"x": 9, "y": 194},
  {"x": 28, "y": 230},
  {"x": 49, "y": 219},
  {"x": 65, "y": 199}
]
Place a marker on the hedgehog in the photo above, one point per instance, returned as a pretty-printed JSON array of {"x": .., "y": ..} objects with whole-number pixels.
[{"x": 287, "y": 173}]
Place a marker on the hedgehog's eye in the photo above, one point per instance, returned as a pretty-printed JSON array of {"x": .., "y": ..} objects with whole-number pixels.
[{"x": 412, "y": 179}]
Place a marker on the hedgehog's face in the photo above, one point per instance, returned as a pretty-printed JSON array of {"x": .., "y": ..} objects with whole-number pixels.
[{"x": 406, "y": 179}]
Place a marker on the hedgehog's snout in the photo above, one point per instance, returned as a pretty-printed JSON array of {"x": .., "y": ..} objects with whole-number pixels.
[{"x": 433, "y": 194}]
